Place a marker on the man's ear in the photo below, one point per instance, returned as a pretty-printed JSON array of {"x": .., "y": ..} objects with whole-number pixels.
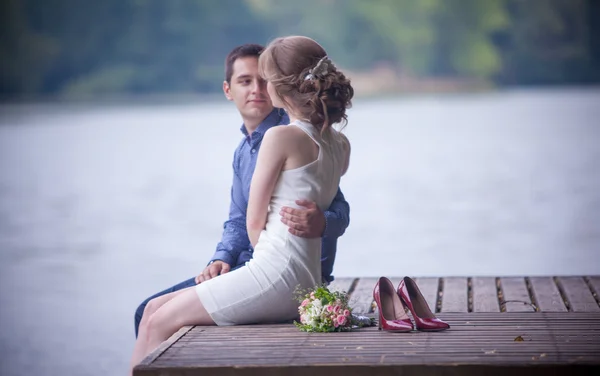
[{"x": 227, "y": 90}]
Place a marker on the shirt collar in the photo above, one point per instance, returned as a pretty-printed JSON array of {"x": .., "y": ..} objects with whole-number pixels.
[{"x": 272, "y": 119}]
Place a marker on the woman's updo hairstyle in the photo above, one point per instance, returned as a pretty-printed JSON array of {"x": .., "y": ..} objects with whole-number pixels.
[{"x": 306, "y": 80}]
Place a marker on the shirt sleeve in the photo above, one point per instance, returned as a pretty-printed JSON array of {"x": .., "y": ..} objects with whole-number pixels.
[
  {"x": 337, "y": 217},
  {"x": 235, "y": 237}
]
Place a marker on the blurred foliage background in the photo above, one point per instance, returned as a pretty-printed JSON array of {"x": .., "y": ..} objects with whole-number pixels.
[{"x": 82, "y": 48}]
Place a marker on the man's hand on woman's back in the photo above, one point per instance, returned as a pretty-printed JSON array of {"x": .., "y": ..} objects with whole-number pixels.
[{"x": 307, "y": 222}]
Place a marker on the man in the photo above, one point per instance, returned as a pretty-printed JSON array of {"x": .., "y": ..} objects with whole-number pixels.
[{"x": 248, "y": 91}]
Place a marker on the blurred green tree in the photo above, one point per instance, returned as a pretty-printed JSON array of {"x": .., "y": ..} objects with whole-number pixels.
[
  {"x": 549, "y": 42},
  {"x": 78, "y": 48}
]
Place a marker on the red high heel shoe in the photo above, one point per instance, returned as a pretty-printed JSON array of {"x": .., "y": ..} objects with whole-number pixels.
[
  {"x": 392, "y": 316},
  {"x": 425, "y": 320}
]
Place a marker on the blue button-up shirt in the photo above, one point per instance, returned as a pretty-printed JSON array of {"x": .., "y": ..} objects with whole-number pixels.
[{"x": 235, "y": 248}]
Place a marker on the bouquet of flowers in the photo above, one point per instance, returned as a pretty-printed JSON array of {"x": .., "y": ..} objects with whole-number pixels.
[{"x": 322, "y": 310}]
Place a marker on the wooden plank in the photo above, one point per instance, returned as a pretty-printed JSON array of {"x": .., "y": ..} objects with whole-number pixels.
[
  {"x": 164, "y": 346},
  {"x": 485, "y": 294},
  {"x": 361, "y": 299},
  {"x": 556, "y": 343},
  {"x": 455, "y": 294},
  {"x": 341, "y": 284},
  {"x": 383, "y": 370},
  {"x": 561, "y": 337},
  {"x": 429, "y": 289},
  {"x": 594, "y": 282},
  {"x": 515, "y": 295},
  {"x": 578, "y": 294},
  {"x": 546, "y": 294}
]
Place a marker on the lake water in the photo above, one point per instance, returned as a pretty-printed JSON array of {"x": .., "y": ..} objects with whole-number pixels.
[{"x": 103, "y": 205}]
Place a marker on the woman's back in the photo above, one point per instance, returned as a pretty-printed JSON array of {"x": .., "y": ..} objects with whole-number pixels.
[
  {"x": 316, "y": 180},
  {"x": 313, "y": 168}
]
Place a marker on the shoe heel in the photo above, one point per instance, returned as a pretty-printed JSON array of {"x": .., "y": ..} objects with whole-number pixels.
[
  {"x": 392, "y": 317},
  {"x": 411, "y": 296}
]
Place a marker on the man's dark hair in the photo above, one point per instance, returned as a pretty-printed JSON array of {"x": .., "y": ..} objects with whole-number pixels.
[{"x": 244, "y": 50}]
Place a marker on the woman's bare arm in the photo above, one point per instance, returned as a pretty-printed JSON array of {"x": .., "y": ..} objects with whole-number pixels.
[{"x": 271, "y": 158}]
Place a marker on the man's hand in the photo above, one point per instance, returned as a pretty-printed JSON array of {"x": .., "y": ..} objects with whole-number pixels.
[
  {"x": 213, "y": 270},
  {"x": 306, "y": 223}
]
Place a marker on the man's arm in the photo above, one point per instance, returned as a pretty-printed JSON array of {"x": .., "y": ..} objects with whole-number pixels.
[
  {"x": 337, "y": 217},
  {"x": 235, "y": 237},
  {"x": 234, "y": 240},
  {"x": 310, "y": 222}
]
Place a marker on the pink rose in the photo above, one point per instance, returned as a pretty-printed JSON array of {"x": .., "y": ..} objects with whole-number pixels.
[
  {"x": 329, "y": 308},
  {"x": 341, "y": 320},
  {"x": 304, "y": 319},
  {"x": 335, "y": 324},
  {"x": 346, "y": 313},
  {"x": 312, "y": 295},
  {"x": 337, "y": 309},
  {"x": 305, "y": 302}
]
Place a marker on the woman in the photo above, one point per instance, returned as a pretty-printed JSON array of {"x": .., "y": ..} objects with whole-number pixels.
[{"x": 303, "y": 160}]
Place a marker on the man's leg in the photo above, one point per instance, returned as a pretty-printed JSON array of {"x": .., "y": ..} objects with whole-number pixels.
[{"x": 140, "y": 310}]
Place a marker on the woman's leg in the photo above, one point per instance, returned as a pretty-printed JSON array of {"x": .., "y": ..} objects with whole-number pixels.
[
  {"x": 183, "y": 309},
  {"x": 139, "y": 312},
  {"x": 152, "y": 306}
]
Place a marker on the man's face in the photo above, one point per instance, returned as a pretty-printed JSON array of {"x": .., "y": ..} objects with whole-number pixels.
[{"x": 248, "y": 90}]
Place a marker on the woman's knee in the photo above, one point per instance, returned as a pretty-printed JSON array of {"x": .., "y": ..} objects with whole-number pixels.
[
  {"x": 155, "y": 325},
  {"x": 151, "y": 307}
]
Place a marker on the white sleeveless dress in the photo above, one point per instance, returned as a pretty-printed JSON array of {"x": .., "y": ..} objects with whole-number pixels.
[{"x": 263, "y": 290}]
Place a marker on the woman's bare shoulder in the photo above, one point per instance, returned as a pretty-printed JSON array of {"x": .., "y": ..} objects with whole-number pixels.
[
  {"x": 285, "y": 133},
  {"x": 280, "y": 139}
]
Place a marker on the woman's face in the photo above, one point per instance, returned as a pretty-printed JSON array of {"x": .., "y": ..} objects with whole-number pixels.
[{"x": 273, "y": 94}]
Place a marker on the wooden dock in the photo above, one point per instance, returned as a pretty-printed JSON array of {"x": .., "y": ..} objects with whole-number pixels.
[{"x": 517, "y": 325}]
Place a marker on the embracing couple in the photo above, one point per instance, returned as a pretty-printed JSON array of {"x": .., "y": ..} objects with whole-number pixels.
[{"x": 286, "y": 207}]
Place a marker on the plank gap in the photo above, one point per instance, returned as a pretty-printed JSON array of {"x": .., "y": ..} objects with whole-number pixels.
[
  {"x": 469, "y": 294},
  {"x": 500, "y": 295},
  {"x": 562, "y": 293},
  {"x": 440, "y": 295},
  {"x": 352, "y": 287},
  {"x": 531, "y": 294}
]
